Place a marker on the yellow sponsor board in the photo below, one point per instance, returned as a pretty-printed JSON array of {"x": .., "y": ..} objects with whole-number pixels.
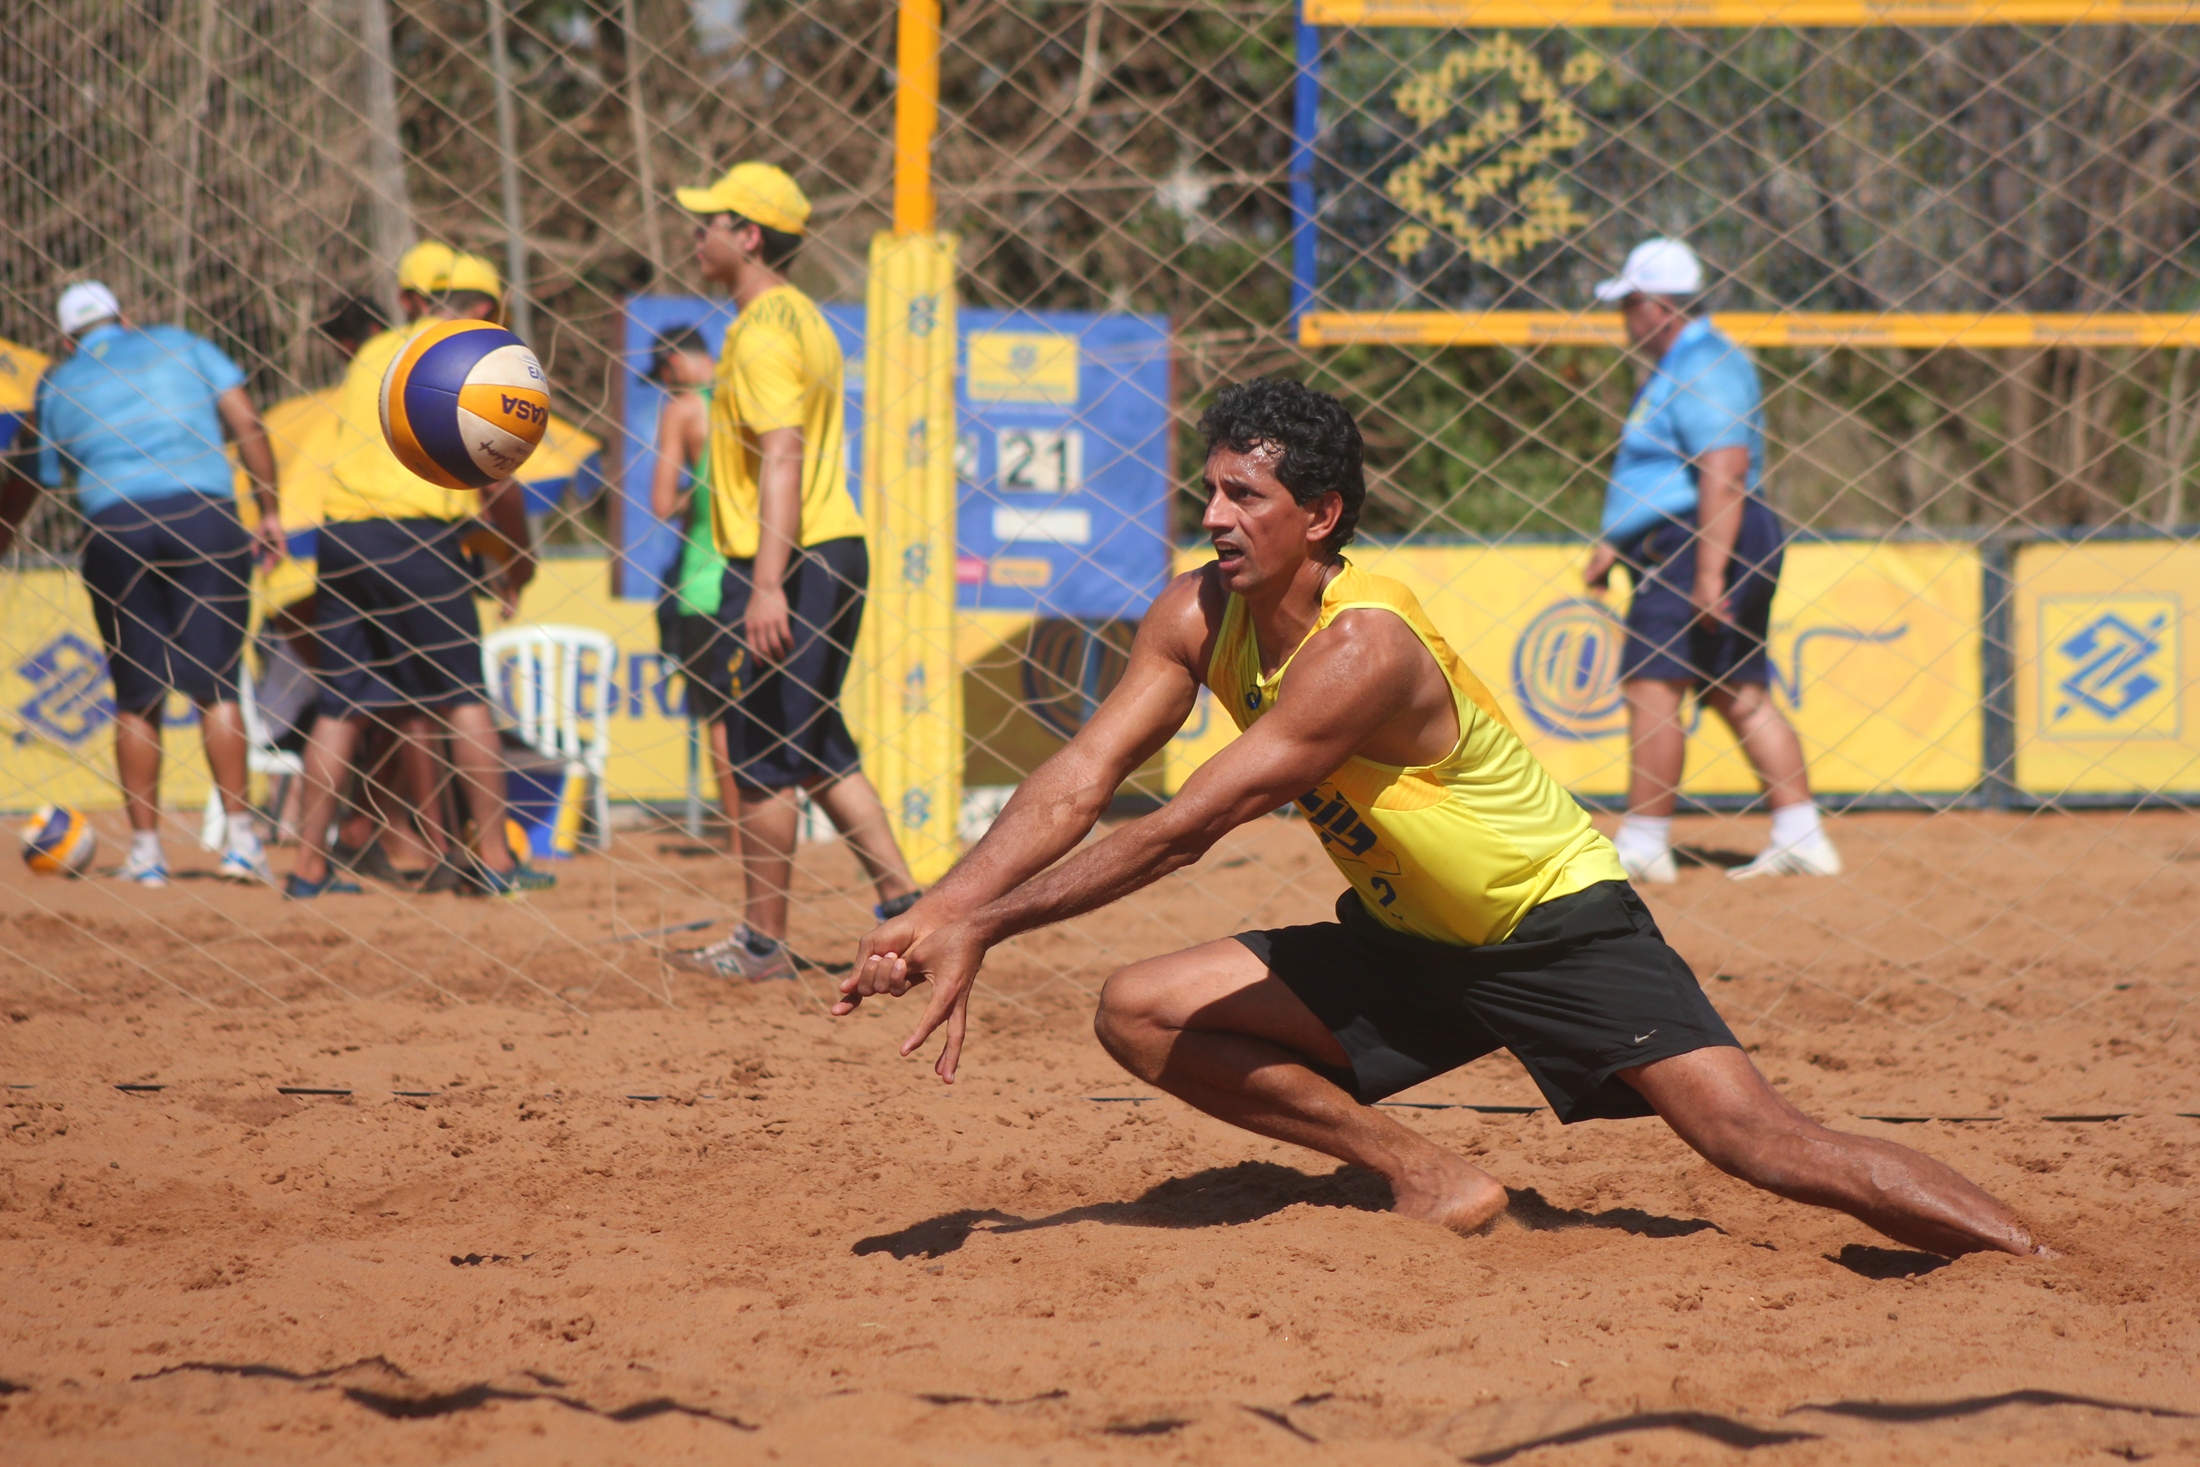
[
  {"x": 1023, "y": 366},
  {"x": 57, "y": 710},
  {"x": 2101, "y": 634},
  {"x": 1874, "y": 656},
  {"x": 58, "y": 707}
]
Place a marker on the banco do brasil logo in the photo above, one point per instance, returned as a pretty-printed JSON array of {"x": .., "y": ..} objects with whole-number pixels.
[{"x": 1566, "y": 670}]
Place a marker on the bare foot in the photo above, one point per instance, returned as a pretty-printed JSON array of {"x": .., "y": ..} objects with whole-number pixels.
[{"x": 1451, "y": 1193}]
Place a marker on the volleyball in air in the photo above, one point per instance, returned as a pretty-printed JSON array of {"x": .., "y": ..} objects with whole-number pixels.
[
  {"x": 464, "y": 404},
  {"x": 59, "y": 842}
]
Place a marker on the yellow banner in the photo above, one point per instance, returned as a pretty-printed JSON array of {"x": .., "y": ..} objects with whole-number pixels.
[
  {"x": 58, "y": 707},
  {"x": 1972, "y": 330},
  {"x": 20, "y": 369},
  {"x": 1545, "y": 14},
  {"x": 2104, "y": 705},
  {"x": 1875, "y": 658},
  {"x": 1875, "y": 653}
]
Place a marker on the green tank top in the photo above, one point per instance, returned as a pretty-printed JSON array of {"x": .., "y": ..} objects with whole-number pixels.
[{"x": 702, "y": 575}]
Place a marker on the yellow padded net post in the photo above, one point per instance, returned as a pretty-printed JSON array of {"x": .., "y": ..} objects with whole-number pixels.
[{"x": 910, "y": 716}]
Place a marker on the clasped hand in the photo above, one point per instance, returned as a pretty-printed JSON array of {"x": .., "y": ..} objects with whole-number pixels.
[{"x": 904, "y": 951}]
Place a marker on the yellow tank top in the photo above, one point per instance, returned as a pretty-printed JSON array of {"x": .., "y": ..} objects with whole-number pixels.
[{"x": 1456, "y": 851}]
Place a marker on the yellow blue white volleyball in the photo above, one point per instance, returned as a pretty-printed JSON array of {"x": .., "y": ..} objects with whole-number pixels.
[
  {"x": 464, "y": 404},
  {"x": 59, "y": 842}
]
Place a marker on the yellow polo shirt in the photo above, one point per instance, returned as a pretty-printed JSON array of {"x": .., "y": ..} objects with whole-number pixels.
[
  {"x": 365, "y": 481},
  {"x": 780, "y": 368}
]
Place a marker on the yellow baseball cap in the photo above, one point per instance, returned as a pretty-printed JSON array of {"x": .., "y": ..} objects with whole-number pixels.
[
  {"x": 472, "y": 272},
  {"x": 757, "y": 192},
  {"x": 422, "y": 268}
]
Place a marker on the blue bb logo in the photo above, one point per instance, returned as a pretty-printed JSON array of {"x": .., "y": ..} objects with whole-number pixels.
[
  {"x": 1566, "y": 670},
  {"x": 2111, "y": 665},
  {"x": 69, "y": 699}
]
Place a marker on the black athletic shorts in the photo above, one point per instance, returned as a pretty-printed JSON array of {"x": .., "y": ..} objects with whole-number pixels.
[
  {"x": 395, "y": 617},
  {"x": 1666, "y": 640},
  {"x": 709, "y": 651},
  {"x": 171, "y": 586},
  {"x": 1586, "y": 986},
  {"x": 784, "y": 727}
]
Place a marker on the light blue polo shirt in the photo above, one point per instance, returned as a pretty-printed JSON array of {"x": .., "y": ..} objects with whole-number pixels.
[
  {"x": 1701, "y": 395},
  {"x": 132, "y": 412}
]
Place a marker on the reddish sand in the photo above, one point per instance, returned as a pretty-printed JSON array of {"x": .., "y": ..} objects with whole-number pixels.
[{"x": 805, "y": 1249}]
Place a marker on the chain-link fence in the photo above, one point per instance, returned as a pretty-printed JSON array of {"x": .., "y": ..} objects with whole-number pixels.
[{"x": 1966, "y": 259}]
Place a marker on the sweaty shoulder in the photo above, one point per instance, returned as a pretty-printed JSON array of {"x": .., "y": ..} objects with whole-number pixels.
[
  {"x": 1185, "y": 618},
  {"x": 1376, "y": 641}
]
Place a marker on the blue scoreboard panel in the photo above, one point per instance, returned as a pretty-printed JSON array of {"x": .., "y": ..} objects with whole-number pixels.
[{"x": 1062, "y": 456}]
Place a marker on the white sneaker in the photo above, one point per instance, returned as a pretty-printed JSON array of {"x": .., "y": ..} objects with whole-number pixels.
[
  {"x": 733, "y": 957},
  {"x": 249, "y": 868},
  {"x": 150, "y": 873},
  {"x": 1659, "y": 870},
  {"x": 1813, "y": 857}
]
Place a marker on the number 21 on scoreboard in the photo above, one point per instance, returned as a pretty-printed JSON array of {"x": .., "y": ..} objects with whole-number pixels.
[{"x": 1041, "y": 460}]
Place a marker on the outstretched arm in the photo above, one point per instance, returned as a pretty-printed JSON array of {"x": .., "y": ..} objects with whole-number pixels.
[
  {"x": 1343, "y": 689},
  {"x": 1058, "y": 803}
]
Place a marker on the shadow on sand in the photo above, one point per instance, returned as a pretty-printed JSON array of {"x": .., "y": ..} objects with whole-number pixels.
[
  {"x": 1225, "y": 1196},
  {"x": 1885, "y": 1263}
]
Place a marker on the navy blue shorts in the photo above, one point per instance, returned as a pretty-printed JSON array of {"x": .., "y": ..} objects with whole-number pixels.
[
  {"x": 171, "y": 584},
  {"x": 709, "y": 652},
  {"x": 783, "y": 725},
  {"x": 395, "y": 617},
  {"x": 1665, "y": 640}
]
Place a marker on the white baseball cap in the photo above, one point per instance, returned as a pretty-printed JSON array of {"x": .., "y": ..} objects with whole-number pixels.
[
  {"x": 84, "y": 304},
  {"x": 1655, "y": 267}
]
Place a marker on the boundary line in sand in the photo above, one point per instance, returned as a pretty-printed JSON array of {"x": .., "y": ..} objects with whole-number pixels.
[{"x": 336, "y": 1092}]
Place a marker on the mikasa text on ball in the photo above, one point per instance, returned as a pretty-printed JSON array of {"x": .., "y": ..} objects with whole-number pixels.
[{"x": 464, "y": 404}]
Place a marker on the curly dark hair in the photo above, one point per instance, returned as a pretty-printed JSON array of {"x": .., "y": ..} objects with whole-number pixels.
[{"x": 1319, "y": 441}]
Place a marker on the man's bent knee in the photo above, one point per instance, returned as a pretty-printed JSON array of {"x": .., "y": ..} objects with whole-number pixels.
[
  {"x": 1132, "y": 996},
  {"x": 1127, "y": 1013}
]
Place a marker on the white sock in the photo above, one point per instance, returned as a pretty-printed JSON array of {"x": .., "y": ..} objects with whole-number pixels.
[
  {"x": 145, "y": 848},
  {"x": 1794, "y": 825},
  {"x": 244, "y": 837},
  {"x": 1644, "y": 838}
]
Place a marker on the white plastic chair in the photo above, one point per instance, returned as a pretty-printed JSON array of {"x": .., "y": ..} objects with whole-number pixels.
[
  {"x": 261, "y": 757},
  {"x": 538, "y": 676}
]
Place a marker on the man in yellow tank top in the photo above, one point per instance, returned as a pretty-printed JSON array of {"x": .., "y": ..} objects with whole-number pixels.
[{"x": 1484, "y": 911}]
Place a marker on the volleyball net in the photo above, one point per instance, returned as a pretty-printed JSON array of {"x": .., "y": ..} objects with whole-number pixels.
[{"x": 1962, "y": 244}]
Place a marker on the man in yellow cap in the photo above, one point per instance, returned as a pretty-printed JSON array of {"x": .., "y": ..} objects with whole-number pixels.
[
  {"x": 796, "y": 564},
  {"x": 471, "y": 289},
  {"x": 400, "y": 640},
  {"x": 422, "y": 273}
]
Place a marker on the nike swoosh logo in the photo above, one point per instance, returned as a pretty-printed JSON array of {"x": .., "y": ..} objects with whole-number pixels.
[{"x": 1639, "y": 1038}]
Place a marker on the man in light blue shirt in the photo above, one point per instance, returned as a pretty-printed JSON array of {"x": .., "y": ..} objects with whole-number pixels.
[
  {"x": 1685, "y": 515},
  {"x": 135, "y": 416}
]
